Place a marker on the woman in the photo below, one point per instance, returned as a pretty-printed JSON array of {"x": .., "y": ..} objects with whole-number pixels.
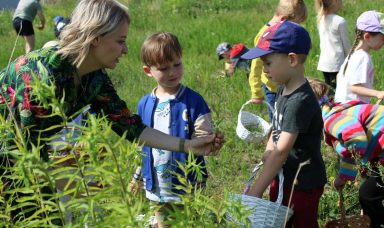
[{"x": 93, "y": 41}]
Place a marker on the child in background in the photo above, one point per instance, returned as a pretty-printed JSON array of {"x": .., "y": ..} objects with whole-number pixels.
[
  {"x": 362, "y": 128},
  {"x": 59, "y": 24},
  {"x": 232, "y": 55},
  {"x": 355, "y": 79},
  {"x": 334, "y": 41},
  {"x": 296, "y": 124},
  {"x": 293, "y": 10},
  {"x": 23, "y": 18},
  {"x": 175, "y": 110}
]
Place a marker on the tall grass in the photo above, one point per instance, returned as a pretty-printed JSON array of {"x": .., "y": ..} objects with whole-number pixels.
[{"x": 200, "y": 26}]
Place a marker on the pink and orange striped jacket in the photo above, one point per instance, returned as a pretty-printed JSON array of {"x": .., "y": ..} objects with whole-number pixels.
[{"x": 356, "y": 132}]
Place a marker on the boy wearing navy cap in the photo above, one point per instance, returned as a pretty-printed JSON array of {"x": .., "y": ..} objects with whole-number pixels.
[{"x": 296, "y": 126}]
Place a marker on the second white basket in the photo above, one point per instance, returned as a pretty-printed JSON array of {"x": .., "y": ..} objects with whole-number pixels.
[{"x": 247, "y": 120}]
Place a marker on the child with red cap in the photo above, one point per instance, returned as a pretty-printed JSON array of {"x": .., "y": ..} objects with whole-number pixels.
[{"x": 233, "y": 56}]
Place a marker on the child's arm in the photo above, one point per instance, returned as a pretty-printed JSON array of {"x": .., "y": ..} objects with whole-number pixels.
[
  {"x": 269, "y": 148},
  {"x": 203, "y": 126},
  {"x": 203, "y": 146},
  {"x": 254, "y": 80},
  {"x": 229, "y": 68},
  {"x": 361, "y": 90},
  {"x": 40, "y": 14},
  {"x": 136, "y": 183},
  {"x": 273, "y": 163}
]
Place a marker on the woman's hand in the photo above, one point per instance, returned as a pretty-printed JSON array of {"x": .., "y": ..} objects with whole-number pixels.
[{"x": 209, "y": 145}]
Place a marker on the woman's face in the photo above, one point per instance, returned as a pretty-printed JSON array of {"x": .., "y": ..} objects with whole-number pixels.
[{"x": 109, "y": 48}]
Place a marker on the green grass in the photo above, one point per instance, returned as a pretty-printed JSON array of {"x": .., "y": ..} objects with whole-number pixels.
[{"x": 200, "y": 26}]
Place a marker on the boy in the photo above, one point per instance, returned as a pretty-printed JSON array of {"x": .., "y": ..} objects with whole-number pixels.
[
  {"x": 296, "y": 124},
  {"x": 173, "y": 109},
  {"x": 233, "y": 54},
  {"x": 293, "y": 10}
]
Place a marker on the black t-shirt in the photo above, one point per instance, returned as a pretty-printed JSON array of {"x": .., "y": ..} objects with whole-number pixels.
[{"x": 299, "y": 112}]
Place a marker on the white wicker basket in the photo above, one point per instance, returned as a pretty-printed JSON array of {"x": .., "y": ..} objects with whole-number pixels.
[
  {"x": 247, "y": 120},
  {"x": 264, "y": 212}
]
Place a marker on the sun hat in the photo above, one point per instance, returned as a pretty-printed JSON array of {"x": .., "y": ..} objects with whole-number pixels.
[
  {"x": 282, "y": 37},
  {"x": 371, "y": 21},
  {"x": 222, "y": 48}
]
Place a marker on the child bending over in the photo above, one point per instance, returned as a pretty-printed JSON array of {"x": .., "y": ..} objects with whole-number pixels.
[
  {"x": 356, "y": 130},
  {"x": 232, "y": 55}
]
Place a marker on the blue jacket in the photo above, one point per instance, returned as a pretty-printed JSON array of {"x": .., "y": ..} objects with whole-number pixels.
[{"x": 190, "y": 117}]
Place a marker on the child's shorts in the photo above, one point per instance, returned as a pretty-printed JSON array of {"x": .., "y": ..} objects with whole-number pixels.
[{"x": 23, "y": 27}]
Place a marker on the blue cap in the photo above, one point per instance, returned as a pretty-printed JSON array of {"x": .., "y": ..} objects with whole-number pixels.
[
  {"x": 282, "y": 37},
  {"x": 56, "y": 19}
]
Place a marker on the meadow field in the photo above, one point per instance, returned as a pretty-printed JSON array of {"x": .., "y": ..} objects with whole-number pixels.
[{"x": 200, "y": 27}]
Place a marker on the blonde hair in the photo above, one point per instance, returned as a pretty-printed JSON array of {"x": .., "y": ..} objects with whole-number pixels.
[
  {"x": 324, "y": 7},
  {"x": 160, "y": 48},
  {"x": 319, "y": 87},
  {"x": 359, "y": 37},
  {"x": 293, "y": 10},
  {"x": 90, "y": 19}
]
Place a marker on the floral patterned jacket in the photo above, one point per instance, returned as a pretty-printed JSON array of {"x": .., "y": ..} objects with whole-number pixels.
[{"x": 45, "y": 65}]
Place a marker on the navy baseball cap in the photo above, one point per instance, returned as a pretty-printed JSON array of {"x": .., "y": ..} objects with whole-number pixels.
[{"x": 282, "y": 37}]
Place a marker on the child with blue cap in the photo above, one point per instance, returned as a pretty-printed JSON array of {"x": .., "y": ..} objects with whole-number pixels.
[
  {"x": 60, "y": 22},
  {"x": 296, "y": 125}
]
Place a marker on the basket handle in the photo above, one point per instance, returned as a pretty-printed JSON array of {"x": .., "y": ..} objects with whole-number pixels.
[
  {"x": 252, "y": 177},
  {"x": 245, "y": 104},
  {"x": 253, "y": 174},
  {"x": 266, "y": 103},
  {"x": 269, "y": 106},
  {"x": 281, "y": 186},
  {"x": 241, "y": 111},
  {"x": 248, "y": 102}
]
